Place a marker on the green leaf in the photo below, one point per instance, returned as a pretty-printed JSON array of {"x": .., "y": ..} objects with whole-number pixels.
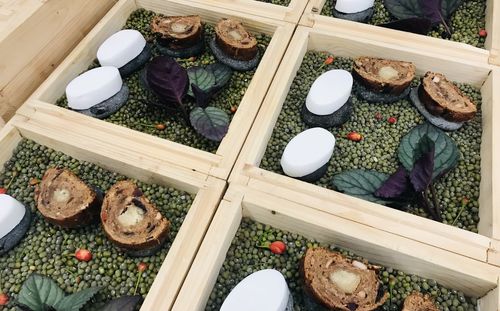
[
  {"x": 125, "y": 303},
  {"x": 77, "y": 300},
  {"x": 208, "y": 79},
  {"x": 446, "y": 154},
  {"x": 210, "y": 122},
  {"x": 203, "y": 78},
  {"x": 361, "y": 184},
  {"x": 448, "y": 7},
  {"x": 39, "y": 292},
  {"x": 403, "y": 9}
]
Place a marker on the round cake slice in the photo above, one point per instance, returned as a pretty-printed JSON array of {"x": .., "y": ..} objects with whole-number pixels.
[
  {"x": 65, "y": 200},
  {"x": 179, "y": 36},
  {"x": 419, "y": 302},
  {"x": 443, "y": 98},
  {"x": 131, "y": 221},
  {"x": 336, "y": 282}
]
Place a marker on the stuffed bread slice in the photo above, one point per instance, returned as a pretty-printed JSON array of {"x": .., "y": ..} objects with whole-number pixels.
[
  {"x": 131, "y": 222},
  {"x": 235, "y": 41},
  {"x": 419, "y": 302},
  {"x": 65, "y": 200},
  {"x": 178, "y": 32},
  {"x": 336, "y": 283}
]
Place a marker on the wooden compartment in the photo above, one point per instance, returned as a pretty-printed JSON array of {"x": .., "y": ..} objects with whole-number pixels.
[
  {"x": 291, "y": 13},
  {"x": 312, "y": 17},
  {"x": 42, "y": 102},
  {"x": 35, "y": 36},
  {"x": 467, "y": 275},
  {"x": 247, "y": 170},
  {"x": 208, "y": 192}
]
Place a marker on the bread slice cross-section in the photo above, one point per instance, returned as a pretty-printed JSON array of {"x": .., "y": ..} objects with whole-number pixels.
[
  {"x": 419, "y": 302},
  {"x": 131, "y": 221},
  {"x": 235, "y": 41},
  {"x": 178, "y": 32}
]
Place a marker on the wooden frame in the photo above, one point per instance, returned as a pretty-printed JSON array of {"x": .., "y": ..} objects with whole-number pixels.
[
  {"x": 312, "y": 17},
  {"x": 208, "y": 190},
  {"x": 219, "y": 164},
  {"x": 291, "y": 13},
  {"x": 35, "y": 36},
  {"x": 247, "y": 171},
  {"x": 467, "y": 275}
]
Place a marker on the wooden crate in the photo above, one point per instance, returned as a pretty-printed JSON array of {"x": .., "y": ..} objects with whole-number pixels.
[
  {"x": 220, "y": 164},
  {"x": 291, "y": 13},
  {"x": 467, "y": 275},
  {"x": 312, "y": 18},
  {"x": 208, "y": 191},
  {"x": 35, "y": 36},
  {"x": 247, "y": 171}
]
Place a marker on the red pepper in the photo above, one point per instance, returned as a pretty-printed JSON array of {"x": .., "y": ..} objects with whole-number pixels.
[
  {"x": 392, "y": 120},
  {"x": 83, "y": 255},
  {"x": 330, "y": 59},
  {"x": 142, "y": 266},
  {"x": 483, "y": 33},
  {"x": 354, "y": 136},
  {"x": 3, "y": 191},
  {"x": 4, "y": 299},
  {"x": 277, "y": 247}
]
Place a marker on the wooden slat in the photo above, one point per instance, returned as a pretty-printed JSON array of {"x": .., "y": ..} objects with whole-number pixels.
[{"x": 493, "y": 28}]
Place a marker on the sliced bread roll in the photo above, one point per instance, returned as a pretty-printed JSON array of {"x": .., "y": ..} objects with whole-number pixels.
[
  {"x": 235, "y": 41},
  {"x": 419, "y": 302},
  {"x": 336, "y": 283},
  {"x": 178, "y": 32},
  {"x": 382, "y": 75},
  {"x": 65, "y": 200},
  {"x": 443, "y": 98},
  {"x": 132, "y": 222}
]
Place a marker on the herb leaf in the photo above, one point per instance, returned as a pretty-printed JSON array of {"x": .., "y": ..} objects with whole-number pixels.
[
  {"x": 207, "y": 81},
  {"x": 39, "y": 292},
  {"x": 360, "y": 183},
  {"x": 446, "y": 153},
  {"x": 167, "y": 79},
  {"x": 421, "y": 175},
  {"x": 211, "y": 122},
  {"x": 432, "y": 10},
  {"x": 124, "y": 303},
  {"x": 77, "y": 300},
  {"x": 403, "y": 9},
  {"x": 416, "y": 25},
  {"x": 395, "y": 186}
]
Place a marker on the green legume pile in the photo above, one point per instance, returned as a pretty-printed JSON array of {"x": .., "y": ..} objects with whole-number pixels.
[
  {"x": 278, "y": 2},
  {"x": 466, "y": 21},
  {"x": 378, "y": 149},
  {"x": 136, "y": 114},
  {"x": 245, "y": 258},
  {"x": 49, "y": 250}
]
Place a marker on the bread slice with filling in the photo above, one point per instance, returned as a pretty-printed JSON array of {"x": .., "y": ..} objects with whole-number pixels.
[
  {"x": 235, "y": 41},
  {"x": 337, "y": 283},
  {"x": 383, "y": 75},
  {"x": 178, "y": 32},
  {"x": 65, "y": 200},
  {"x": 131, "y": 221},
  {"x": 443, "y": 98},
  {"x": 419, "y": 302}
]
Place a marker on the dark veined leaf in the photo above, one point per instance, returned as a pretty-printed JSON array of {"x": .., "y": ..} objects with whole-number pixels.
[
  {"x": 210, "y": 122},
  {"x": 207, "y": 81},
  {"x": 39, "y": 292},
  {"x": 77, "y": 300},
  {"x": 125, "y": 303},
  {"x": 448, "y": 7},
  {"x": 167, "y": 79},
  {"x": 416, "y": 25},
  {"x": 446, "y": 154},
  {"x": 431, "y": 9},
  {"x": 395, "y": 186},
  {"x": 360, "y": 183},
  {"x": 403, "y": 9},
  {"x": 421, "y": 175}
]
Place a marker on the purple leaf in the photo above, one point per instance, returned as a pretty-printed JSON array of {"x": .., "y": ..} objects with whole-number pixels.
[
  {"x": 211, "y": 122},
  {"x": 415, "y": 25},
  {"x": 167, "y": 79},
  {"x": 431, "y": 9},
  {"x": 421, "y": 174},
  {"x": 395, "y": 186},
  {"x": 202, "y": 97}
]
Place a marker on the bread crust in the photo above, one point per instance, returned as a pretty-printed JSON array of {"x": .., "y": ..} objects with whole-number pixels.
[
  {"x": 418, "y": 302},
  {"x": 81, "y": 207},
  {"x": 366, "y": 70},
  {"x": 163, "y": 27},
  {"x": 444, "y": 99},
  {"x": 148, "y": 233},
  {"x": 316, "y": 267},
  {"x": 242, "y": 48}
]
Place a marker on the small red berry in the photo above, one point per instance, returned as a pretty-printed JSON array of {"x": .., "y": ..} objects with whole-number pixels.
[
  {"x": 330, "y": 59},
  {"x": 234, "y": 109},
  {"x": 392, "y": 120},
  {"x": 465, "y": 201},
  {"x": 354, "y": 136},
  {"x": 160, "y": 126},
  {"x": 277, "y": 247},
  {"x": 83, "y": 255},
  {"x": 483, "y": 33},
  {"x": 3, "y": 191},
  {"x": 4, "y": 299},
  {"x": 142, "y": 266},
  {"x": 378, "y": 116}
]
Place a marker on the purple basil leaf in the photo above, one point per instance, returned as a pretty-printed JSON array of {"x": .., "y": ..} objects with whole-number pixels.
[
  {"x": 394, "y": 187},
  {"x": 123, "y": 303},
  {"x": 421, "y": 174},
  {"x": 202, "y": 97},
  {"x": 415, "y": 25},
  {"x": 167, "y": 79},
  {"x": 431, "y": 9}
]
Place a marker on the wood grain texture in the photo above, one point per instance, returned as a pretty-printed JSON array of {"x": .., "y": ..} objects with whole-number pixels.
[{"x": 35, "y": 36}]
